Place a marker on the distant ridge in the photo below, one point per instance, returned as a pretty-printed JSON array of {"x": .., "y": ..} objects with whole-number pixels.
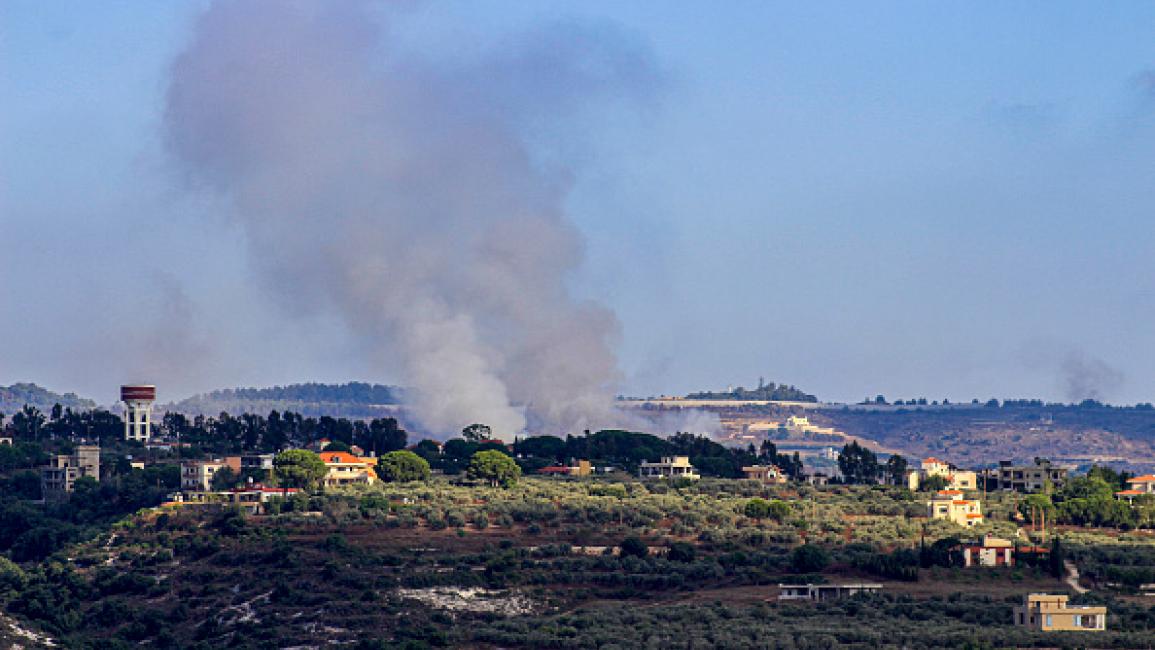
[
  {"x": 353, "y": 399},
  {"x": 766, "y": 392},
  {"x": 14, "y": 397}
]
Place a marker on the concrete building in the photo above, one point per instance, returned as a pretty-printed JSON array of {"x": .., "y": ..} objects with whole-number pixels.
[
  {"x": 949, "y": 505},
  {"x": 59, "y": 476},
  {"x": 1030, "y": 478},
  {"x": 989, "y": 552},
  {"x": 765, "y": 474},
  {"x": 138, "y": 400},
  {"x": 1051, "y": 613},
  {"x": 819, "y": 593},
  {"x": 669, "y": 467},
  {"x": 347, "y": 469},
  {"x": 197, "y": 475},
  {"x": 258, "y": 466}
]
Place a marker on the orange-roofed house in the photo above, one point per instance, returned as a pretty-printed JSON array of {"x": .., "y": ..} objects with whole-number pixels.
[
  {"x": 347, "y": 469},
  {"x": 949, "y": 505},
  {"x": 1142, "y": 484}
]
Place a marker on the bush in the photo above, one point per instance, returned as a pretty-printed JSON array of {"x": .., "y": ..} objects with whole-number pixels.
[{"x": 633, "y": 547}]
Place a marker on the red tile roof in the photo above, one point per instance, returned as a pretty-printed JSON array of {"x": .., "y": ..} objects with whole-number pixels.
[
  {"x": 340, "y": 457},
  {"x": 1147, "y": 478},
  {"x": 1131, "y": 492}
]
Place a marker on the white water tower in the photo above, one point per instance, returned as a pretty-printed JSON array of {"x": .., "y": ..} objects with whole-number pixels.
[{"x": 138, "y": 400}]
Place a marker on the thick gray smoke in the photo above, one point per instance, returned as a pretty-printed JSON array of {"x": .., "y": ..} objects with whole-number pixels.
[
  {"x": 1085, "y": 377},
  {"x": 403, "y": 195}
]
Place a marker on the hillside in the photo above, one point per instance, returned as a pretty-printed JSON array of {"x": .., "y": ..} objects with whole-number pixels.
[
  {"x": 971, "y": 436},
  {"x": 14, "y": 397},
  {"x": 547, "y": 563},
  {"x": 351, "y": 400}
]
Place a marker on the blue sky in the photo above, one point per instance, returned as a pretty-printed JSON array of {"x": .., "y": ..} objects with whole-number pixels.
[{"x": 915, "y": 199}]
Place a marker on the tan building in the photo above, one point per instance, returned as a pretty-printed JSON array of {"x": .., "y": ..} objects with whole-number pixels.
[
  {"x": 957, "y": 479},
  {"x": 347, "y": 469},
  {"x": 669, "y": 467},
  {"x": 949, "y": 505},
  {"x": 59, "y": 476},
  {"x": 1051, "y": 613},
  {"x": 764, "y": 474}
]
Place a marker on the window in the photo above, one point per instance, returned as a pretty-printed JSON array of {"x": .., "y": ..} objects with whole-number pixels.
[{"x": 1049, "y": 622}]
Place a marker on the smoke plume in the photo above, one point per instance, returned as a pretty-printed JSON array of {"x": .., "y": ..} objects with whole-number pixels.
[
  {"x": 403, "y": 194},
  {"x": 1085, "y": 377}
]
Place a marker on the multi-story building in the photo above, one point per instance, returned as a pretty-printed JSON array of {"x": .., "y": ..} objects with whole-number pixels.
[
  {"x": 1051, "y": 613},
  {"x": 59, "y": 476},
  {"x": 197, "y": 475},
  {"x": 669, "y": 467},
  {"x": 347, "y": 469},
  {"x": 1030, "y": 478},
  {"x": 258, "y": 466},
  {"x": 949, "y": 505}
]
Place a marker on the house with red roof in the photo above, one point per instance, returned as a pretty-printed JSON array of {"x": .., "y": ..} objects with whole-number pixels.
[
  {"x": 1142, "y": 484},
  {"x": 347, "y": 469}
]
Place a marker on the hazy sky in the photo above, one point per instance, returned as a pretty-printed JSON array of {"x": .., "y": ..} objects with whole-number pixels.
[{"x": 916, "y": 199}]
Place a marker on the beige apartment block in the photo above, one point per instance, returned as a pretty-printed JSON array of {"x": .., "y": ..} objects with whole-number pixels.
[
  {"x": 669, "y": 467},
  {"x": 1051, "y": 613}
]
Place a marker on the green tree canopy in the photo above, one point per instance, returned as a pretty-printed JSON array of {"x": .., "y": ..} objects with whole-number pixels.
[
  {"x": 495, "y": 467},
  {"x": 858, "y": 464},
  {"x": 299, "y": 468},
  {"x": 402, "y": 466},
  {"x": 809, "y": 558}
]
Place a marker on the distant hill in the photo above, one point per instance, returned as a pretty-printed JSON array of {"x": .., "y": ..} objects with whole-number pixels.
[
  {"x": 14, "y": 397},
  {"x": 353, "y": 400},
  {"x": 770, "y": 391}
]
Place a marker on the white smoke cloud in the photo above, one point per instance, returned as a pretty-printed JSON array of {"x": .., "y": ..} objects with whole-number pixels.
[{"x": 403, "y": 195}]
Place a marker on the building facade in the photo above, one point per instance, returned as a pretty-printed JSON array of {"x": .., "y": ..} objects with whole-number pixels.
[
  {"x": 1030, "y": 478},
  {"x": 58, "y": 478},
  {"x": 197, "y": 475},
  {"x": 347, "y": 469},
  {"x": 819, "y": 593},
  {"x": 949, "y": 505},
  {"x": 989, "y": 552},
  {"x": 1051, "y": 613},
  {"x": 669, "y": 467}
]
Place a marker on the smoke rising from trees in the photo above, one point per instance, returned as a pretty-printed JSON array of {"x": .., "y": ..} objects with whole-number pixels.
[{"x": 402, "y": 194}]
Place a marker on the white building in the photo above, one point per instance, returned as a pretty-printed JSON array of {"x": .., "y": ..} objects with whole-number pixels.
[{"x": 669, "y": 467}]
